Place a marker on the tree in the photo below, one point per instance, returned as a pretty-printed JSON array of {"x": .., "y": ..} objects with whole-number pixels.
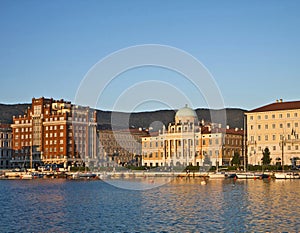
[
  {"x": 266, "y": 159},
  {"x": 207, "y": 161},
  {"x": 236, "y": 159}
]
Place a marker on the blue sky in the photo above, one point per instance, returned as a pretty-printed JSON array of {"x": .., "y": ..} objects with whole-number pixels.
[{"x": 251, "y": 48}]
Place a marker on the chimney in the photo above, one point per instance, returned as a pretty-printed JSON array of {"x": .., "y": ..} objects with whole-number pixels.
[
  {"x": 277, "y": 101},
  {"x": 227, "y": 126},
  {"x": 281, "y": 100}
]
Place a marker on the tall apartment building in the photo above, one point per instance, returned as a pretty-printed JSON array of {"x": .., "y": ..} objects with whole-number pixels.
[
  {"x": 189, "y": 142},
  {"x": 54, "y": 131},
  {"x": 5, "y": 146},
  {"x": 274, "y": 126},
  {"x": 120, "y": 147}
]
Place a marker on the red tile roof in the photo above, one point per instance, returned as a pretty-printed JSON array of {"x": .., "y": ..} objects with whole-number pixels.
[{"x": 278, "y": 106}]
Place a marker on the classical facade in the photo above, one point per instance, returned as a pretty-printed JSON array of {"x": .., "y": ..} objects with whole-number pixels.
[
  {"x": 54, "y": 131},
  {"x": 5, "y": 146},
  {"x": 190, "y": 142},
  {"x": 274, "y": 126},
  {"x": 120, "y": 147}
]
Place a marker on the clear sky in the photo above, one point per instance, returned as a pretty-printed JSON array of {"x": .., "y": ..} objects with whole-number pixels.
[{"x": 251, "y": 48}]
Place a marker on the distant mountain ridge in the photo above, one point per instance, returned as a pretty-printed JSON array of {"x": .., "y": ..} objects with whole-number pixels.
[{"x": 235, "y": 116}]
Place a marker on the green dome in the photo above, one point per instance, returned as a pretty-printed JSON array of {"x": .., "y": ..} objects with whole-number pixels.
[{"x": 186, "y": 112}]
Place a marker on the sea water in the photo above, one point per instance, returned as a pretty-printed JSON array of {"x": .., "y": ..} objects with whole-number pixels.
[{"x": 175, "y": 205}]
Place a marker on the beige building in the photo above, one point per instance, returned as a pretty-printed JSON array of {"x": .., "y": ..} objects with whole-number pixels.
[
  {"x": 189, "y": 142},
  {"x": 120, "y": 147},
  {"x": 5, "y": 146},
  {"x": 274, "y": 126}
]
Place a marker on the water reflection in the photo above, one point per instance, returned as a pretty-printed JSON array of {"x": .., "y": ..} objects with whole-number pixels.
[{"x": 182, "y": 205}]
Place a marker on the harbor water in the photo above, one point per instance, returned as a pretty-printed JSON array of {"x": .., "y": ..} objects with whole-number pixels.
[{"x": 179, "y": 205}]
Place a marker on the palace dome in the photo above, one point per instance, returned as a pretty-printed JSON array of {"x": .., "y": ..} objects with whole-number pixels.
[{"x": 186, "y": 112}]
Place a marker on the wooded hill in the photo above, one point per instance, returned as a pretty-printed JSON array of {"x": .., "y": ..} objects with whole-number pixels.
[{"x": 140, "y": 119}]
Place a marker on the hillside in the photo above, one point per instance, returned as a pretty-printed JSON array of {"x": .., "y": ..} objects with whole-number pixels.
[
  {"x": 7, "y": 111},
  {"x": 140, "y": 119}
]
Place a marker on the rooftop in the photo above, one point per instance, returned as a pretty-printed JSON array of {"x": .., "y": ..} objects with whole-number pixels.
[
  {"x": 277, "y": 106},
  {"x": 186, "y": 112}
]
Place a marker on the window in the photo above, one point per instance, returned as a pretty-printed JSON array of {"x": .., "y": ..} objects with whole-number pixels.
[
  {"x": 259, "y": 126},
  {"x": 61, "y": 134},
  {"x": 217, "y": 141},
  {"x": 289, "y": 147},
  {"x": 258, "y": 138},
  {"x": 266, "y": 138},
  {"x": 266, "y": 117},
  {"x": 288, "y": 125},
  {"x": 252, "y": 138},
  {"x": 273, "y": 116},
  {"x": 259, "y": 117},
  {"x": 280, "y": 115},
  {"x": 61, "y": 127},
  {"x": 251, "y": 117},
  {"x": 251, "y": 127},
  {"x": 296, "y": 124},
  {"x": 274, "y": 137},
  {"x": 280, "y": 126},
  {"x": 296, "y": 147},
  {"x": 274, "y": 147},
  {"x": 295, "y": 114},
  {"x": 203, "y": 142},
  {"x": 266, "y": 126},
  {"x": 273, "y": 126}
]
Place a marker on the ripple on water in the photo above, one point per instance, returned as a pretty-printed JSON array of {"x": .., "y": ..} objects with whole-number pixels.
[{"x": 182, "y": 205}]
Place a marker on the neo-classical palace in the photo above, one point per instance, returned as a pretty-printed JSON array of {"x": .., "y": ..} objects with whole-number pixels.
[
  {"x": 188, "y": 141},
  {"x": 54, "y": 131},
  {"x": 274, "y": 126}
]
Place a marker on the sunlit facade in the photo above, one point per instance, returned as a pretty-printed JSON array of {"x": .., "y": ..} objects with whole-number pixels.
[
  {"x": 54, "y": 131},
  {"x": 188, "y": 141},
  {"x": 276, "y": 127}
]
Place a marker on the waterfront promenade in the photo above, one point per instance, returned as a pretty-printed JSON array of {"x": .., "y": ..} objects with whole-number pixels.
[{"x": 8, "y": 174}]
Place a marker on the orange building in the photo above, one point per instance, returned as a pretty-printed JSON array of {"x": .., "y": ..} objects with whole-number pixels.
[{"x": 54, "y": 131}]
